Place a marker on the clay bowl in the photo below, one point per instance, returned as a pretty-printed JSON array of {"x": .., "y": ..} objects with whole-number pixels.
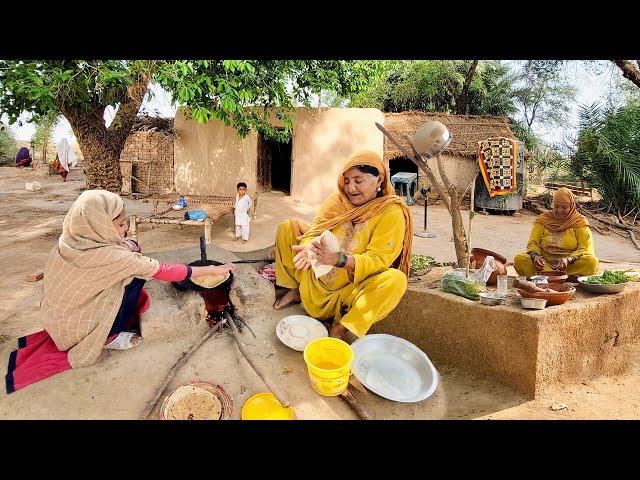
[
  {"x": 555, "y": 277},
  {"x": 479, "y": 254},
  {"x": 563, "y": 292}
]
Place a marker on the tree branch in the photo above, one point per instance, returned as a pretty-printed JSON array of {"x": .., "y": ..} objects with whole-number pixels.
[
  {"x": 462, "y": 101},
  {"x": 126, "y": 114},
  {"x": 629, "y": 71}
]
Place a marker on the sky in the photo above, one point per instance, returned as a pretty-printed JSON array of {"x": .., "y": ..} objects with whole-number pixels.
[{"x": 593, "y": 80}]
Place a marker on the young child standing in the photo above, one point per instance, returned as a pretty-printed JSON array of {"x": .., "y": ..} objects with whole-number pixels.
[{"x": 243, "y": 204}]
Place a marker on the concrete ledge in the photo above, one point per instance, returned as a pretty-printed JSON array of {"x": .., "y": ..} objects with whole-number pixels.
[{"x": 527, "y": 350}]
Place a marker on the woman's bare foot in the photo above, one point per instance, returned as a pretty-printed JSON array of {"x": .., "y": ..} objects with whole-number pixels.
[
  {"x": 292, "y": 296},
  {"x": 337, "y": 331}
]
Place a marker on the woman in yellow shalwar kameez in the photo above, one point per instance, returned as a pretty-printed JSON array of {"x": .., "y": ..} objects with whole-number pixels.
[
  {"x": 560, "y": 240},
  {"x": 374, "y": 228}
]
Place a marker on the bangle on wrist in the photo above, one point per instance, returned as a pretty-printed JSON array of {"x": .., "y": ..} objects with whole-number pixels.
[{"x": 342, "y": 260}]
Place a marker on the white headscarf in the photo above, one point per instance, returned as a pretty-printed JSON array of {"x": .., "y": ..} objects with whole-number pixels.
[{"x": 66, "y": 155}]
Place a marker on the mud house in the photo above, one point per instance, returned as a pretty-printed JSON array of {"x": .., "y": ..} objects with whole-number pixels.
[
  {"x": 460, "y": 157},
  {"x": 209, "y": 159}
]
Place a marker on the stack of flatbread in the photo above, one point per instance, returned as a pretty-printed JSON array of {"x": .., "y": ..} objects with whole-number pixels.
[{"x": 192, "y": 403}]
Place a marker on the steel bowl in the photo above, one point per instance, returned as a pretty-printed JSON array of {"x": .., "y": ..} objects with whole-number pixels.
[
  {"x": 533, "y": 303},
  {"x": 608, "y": 288},
  {"x": 491, "y": 298},
  {"x": 393, "y": 368}
]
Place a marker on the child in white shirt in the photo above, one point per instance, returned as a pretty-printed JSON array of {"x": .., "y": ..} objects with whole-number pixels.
[{"x": 243, "y": 204}]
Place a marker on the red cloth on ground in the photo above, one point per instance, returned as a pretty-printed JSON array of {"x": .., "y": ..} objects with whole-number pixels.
[
  {"x": 24, "y": 162},
  {"x": 269, "y": 272},
  {"x": 38, "y": 357},
  {"x": 172, "y": 272}
]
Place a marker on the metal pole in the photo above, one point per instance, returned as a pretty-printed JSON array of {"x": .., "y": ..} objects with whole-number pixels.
[{"x": 424, "y": 233}]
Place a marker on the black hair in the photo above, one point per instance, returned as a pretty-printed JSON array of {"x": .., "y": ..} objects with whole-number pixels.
[
  {"x": 368, "y": 169},
  {"x": 241, "y": 184}
]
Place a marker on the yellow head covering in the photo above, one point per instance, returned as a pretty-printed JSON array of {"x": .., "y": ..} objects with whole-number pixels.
[
  {"x": 557, "y": 224},
  {"x": 337, "y": 209}
]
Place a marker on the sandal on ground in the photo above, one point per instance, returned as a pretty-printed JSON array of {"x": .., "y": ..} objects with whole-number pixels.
[{"x": 123, "y": 341}]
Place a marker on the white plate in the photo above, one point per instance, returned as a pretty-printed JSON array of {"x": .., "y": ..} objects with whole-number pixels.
[
  {"x": 296, "y": 331},
  {"x": 393, "y": 368}
]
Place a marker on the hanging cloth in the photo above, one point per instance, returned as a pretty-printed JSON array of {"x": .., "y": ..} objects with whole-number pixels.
[{"x": 497, "y": 161}]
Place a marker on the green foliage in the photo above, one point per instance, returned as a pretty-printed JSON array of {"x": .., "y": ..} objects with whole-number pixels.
[
  {"x": 542, "y": 93},
  {"x": 245, "y": 93},
  {"x": 43, "y": 136},
  {"x": 433, "y": 85},
  {"x": 608, "y": 154},
  {"x": 45, "y": 86},
  {"x": 8, "y": 147}
]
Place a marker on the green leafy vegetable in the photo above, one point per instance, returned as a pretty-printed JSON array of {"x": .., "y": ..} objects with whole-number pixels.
[
  {"x": 458, "y": 284},
  {"x": 610, "y": 277}
]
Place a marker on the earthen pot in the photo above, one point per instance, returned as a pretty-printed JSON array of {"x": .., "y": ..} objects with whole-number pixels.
[
  {"x": 563, "y": 292},
  {"x": 555, "y": 277},
  {"x": 479, "y": 254}
]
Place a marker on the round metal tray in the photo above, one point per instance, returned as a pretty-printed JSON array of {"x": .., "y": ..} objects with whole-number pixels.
[
  {"x": 393, "y": 368},
  {"x": 297, "y": 331},
  {"x": 609, "y": 288}
]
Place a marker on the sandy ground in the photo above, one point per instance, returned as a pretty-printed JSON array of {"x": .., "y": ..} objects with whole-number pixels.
[{"x": 31, "y": 223}]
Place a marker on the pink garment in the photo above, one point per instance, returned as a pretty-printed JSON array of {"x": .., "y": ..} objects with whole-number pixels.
[
  {"x": 269, "y": 272},
  {"x": 38, "y": 357},
  {"x": 172, "y": 272}
]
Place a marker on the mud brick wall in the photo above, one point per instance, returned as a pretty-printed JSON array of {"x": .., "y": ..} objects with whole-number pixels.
[{"x": 153, "y": 147}]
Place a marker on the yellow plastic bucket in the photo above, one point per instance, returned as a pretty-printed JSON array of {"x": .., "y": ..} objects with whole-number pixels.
[{"x": 329, "y": 364}]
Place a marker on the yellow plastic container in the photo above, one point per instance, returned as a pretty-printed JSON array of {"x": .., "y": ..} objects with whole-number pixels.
[
  {"x": 265, "y": 406},
  {"x": 329, "y": 364}
]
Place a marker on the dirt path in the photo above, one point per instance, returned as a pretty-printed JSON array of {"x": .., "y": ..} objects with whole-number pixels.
[{"x": 31, "y": 222}]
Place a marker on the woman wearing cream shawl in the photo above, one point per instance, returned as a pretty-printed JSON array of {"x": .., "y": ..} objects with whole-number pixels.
[
  {"x": 560, "y": 240},
  {"x": 65, "y": 158},
  {"x": 369, "y": 275},
  {"x": 88, "y": 272}
]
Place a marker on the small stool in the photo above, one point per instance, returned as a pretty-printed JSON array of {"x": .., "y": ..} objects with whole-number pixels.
[{"x": 408, "y": 179}]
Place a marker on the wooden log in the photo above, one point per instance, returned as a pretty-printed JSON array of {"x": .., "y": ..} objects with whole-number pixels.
[
  {"x": 207, "y": 230},
  {"x": 471, "y": 215},
  {"x": 282, "y": 398},
  {"x": 633, "y": 239},
  {"x": 150, "y": 405},
  {"x": 133, "y": 227},
  {"x": 34, "y": 277},
  {"x": 357, "y": 407}
]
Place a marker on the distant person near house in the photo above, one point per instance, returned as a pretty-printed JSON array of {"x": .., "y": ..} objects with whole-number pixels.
[
  {"x": 242, "y": 206},
  {"x": 23, "y": 158},
  {"x": 65, "y": 158}
]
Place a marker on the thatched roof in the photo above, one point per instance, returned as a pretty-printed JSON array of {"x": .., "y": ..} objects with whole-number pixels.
[
  {"x": 145, "y": 123},
  {"x": 466, "y": 130}
]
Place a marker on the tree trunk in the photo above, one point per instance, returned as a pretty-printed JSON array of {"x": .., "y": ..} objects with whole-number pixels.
[
  {"x": 100, "y": 150},
  {"x": 101, "y": 146},
  {"x": 629, "y": 71},
  {"x": 447, "y": 192},
  {"x": 462, "y": 100}
]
